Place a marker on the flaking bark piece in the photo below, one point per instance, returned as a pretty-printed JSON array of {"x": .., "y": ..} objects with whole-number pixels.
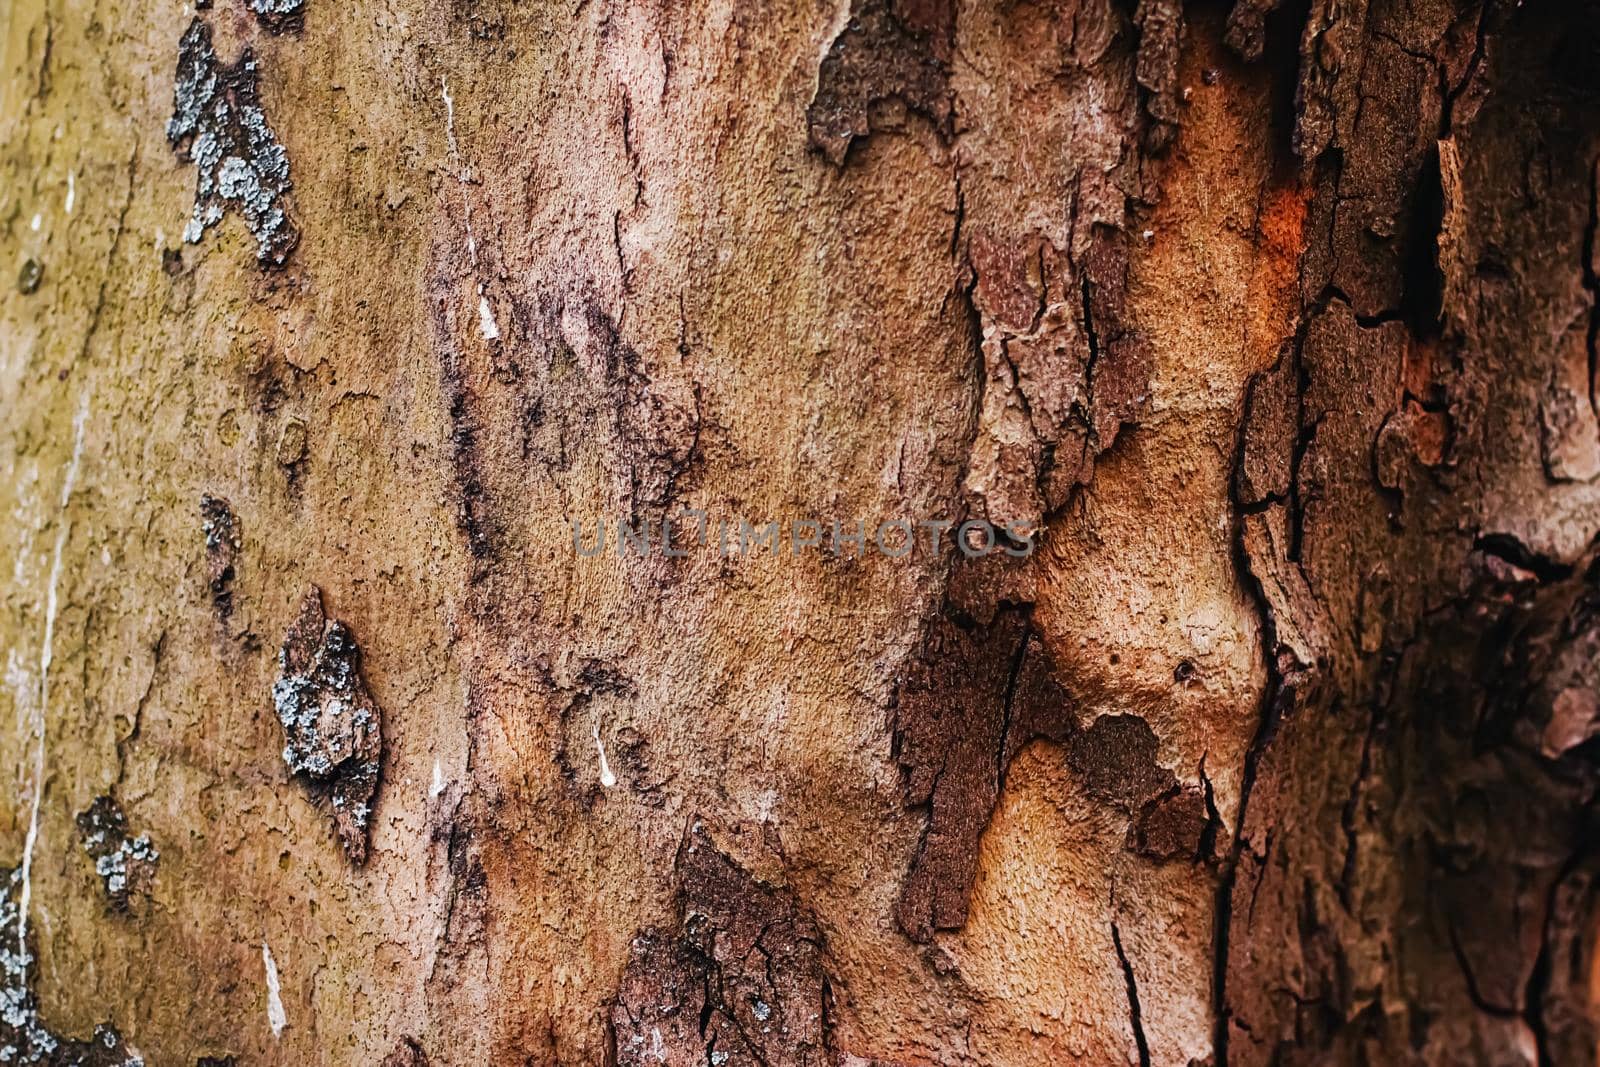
[
  {"x": 886, "y": 51},
  {"x": 740, "y": 980},
  {"x": 333, "y": 727},
  {"x": 221, "y": 528}
]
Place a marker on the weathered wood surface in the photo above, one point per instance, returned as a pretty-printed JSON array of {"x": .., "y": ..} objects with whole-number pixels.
[{"x": 1278, "y": 323}]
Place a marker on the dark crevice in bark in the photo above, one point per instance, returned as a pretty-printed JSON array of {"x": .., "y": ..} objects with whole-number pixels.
[
  {"x": 1590, "y": 282},
  {"x": 1422, "y": 282},
  {"x": 980, "y": 383},
  {"x": 1230, "y": 871},
  {"x": 960, "y": 214},
  {"x": 1208, "y": 837},
  {"x": 1001, "y": 756},
  {"x": 1135, "y": 1013},
  {"x": 126, "y": 741},
  {"x": 1091, "y": 362},
  {"x": 1511, "y": 549},
  {"x": 1539, "y": 979},
  {"x": 1268, "y": 713},
  {"x": 1348, "y": 814},
  {"x": 1043, "y": 304},
  {"x": 1474, "y": 994},
  {"x": 1284, "y": 26},
  {"x": 1305, "y": 434}
]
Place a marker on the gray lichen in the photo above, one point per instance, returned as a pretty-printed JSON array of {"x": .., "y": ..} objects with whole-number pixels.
[
  {"x": 331, "y": 723},
  {"x": 217, "y": 124},
  {"x": 125, "y": 864},
  {"x": 279, "y": 15},
  {"x": 24, "y": 1038}
]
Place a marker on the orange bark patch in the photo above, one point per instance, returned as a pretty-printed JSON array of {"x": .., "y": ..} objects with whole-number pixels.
[{"x": 1274, "y": 299}]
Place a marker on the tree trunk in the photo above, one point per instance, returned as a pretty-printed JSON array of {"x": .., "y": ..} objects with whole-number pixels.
[{"x": 401, "y": 665}]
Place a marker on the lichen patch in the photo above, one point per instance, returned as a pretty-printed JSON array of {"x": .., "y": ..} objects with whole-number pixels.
[
  {"x": 125, "y": 864},
  {"x": 24, "y": 1038},
  {"x": 332, "y": 726},
  {"x": 218, "y": 125},
  {"x": 279, "y": 15}
]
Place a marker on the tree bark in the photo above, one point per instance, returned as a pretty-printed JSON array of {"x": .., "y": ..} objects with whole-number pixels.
[{"x": 1264, "y": 334}]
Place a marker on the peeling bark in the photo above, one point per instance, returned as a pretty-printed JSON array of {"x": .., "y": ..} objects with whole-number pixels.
[{"x": 1266, "y": 735}]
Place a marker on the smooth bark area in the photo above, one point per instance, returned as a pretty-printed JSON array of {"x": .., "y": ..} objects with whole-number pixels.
[{"x": 1274, "y": 323}]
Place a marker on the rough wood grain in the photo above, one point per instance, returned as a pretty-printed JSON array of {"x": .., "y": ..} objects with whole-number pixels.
[{"x": 1274, "y": 323}]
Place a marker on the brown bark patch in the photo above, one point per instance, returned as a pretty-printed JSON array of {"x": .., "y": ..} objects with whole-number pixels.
[
  {"x": 1174, "y": 825},
  {"x": 890, "y": 50},
  {"x": 738, "y": 982},
  {"x": 1115, "y": 761},
  {"x": 976, "y": 695},
  {"x": 1160, "y": 25},
  {"x": 221, "y": 529}
]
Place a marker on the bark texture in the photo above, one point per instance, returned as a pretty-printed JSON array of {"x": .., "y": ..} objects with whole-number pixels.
[{"x": 1276, "y": 320}]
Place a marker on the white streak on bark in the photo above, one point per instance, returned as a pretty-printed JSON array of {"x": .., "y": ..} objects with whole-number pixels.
[
  {"x": 437, "y": 785},
  {"x": 463, "y": 175},
  {"x": 607, "y": 779},
  {"x": 46, "y": 655},
  {"x": 486, "y": 324},
  {"x": 72, "y": 191},
  {"x": 275, "y": 1014},
  {"x": 450, "y": 120}
]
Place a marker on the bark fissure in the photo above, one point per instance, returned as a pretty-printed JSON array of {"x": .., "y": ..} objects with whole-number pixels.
[{"x": 1135, "y": 1012}]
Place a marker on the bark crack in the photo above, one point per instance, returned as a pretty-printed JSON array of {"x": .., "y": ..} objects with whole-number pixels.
[{"x": 1135, "y": 1013}]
